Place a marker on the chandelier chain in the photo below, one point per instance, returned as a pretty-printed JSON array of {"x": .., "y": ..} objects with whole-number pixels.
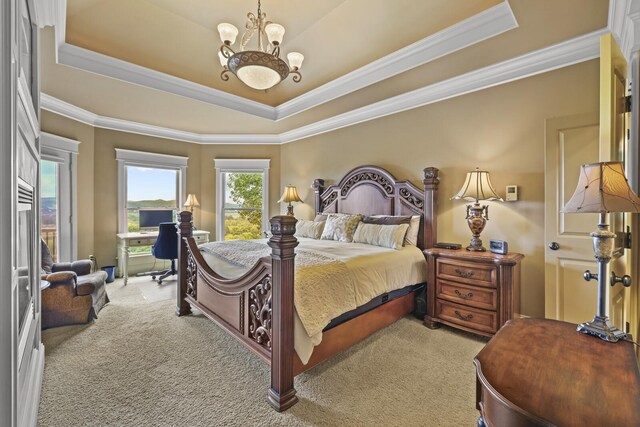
[{"x": 259, "y": 10}]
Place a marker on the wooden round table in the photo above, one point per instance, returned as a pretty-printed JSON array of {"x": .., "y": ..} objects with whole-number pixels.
[{"x": 540, "y": 372}]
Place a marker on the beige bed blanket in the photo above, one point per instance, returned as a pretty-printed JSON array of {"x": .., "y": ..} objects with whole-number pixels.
[
  {"x": 357, "y": 273},
  {"x": 324, "y": 287}
]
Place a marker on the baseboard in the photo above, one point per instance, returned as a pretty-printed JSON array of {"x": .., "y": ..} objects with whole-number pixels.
[{"x": 31, "y": 401}]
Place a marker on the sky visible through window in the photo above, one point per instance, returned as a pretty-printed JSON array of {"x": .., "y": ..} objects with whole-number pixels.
[
  {"x": 48, "y": 179},
  {"x": 151, "y": 183}
]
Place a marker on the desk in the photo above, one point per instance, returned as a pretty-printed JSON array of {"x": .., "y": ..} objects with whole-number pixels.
[
  {"x": 128, "y": 240},
  {"x": 540, "y": 372}
]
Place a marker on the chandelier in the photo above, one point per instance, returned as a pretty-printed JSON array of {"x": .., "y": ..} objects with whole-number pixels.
[{"x": 262, "y": 68}]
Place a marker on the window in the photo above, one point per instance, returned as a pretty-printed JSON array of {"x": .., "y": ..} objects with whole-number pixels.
[
  {"x": 242, "y": 198},
  {"x": 49, "y": 214},
  {"x": 58, "y": 206},
  {"x": 148, "y": 181},
  {"x": 150, "y": 188}
]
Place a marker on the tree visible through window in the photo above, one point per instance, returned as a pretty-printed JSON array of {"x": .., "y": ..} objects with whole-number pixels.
[{"x": 243, "y": 205}]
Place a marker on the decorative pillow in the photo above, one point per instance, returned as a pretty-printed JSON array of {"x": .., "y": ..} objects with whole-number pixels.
[
  {"x": 387, "y": 236},
  {"x": 411, "y": 239},
  {"x": 311, "y": 229},
  {"x": 340, "y": 227},
  {"x": 321, "y": 217},
  {"x": 387, "y": 220},
  {"x": 46, "y": 258}
]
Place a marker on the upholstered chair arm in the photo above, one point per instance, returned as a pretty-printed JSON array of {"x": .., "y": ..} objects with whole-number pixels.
[
  {"x": 63, "y": 278},
  {"x": 81, "y": 268},
  {"x": 85, "y": 288}
]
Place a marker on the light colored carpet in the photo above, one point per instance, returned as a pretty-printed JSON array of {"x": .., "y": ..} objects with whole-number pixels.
[{"x": 136, "y": 366}]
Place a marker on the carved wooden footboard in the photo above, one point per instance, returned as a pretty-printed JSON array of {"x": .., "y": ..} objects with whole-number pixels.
[{"x": 258, "y": 308}]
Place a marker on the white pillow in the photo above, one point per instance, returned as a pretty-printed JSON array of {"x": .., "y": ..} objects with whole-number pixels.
[
  {"x": 311, "y": 229},
  {"x": 387, "y": 236},
  {"x": 340, "y": 227},
  {"x": 411, "y": 239}
]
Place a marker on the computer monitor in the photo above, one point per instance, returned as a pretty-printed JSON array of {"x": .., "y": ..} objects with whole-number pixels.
[{"x": 151, "y": 218}]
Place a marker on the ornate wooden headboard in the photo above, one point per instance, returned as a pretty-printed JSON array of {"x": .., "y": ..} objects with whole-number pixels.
[{"x": 371, "y": 190}]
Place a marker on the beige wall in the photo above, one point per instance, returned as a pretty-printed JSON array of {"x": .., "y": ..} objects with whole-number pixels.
[
  {"x": 499, "y": 129},
  {"x": 98, "y": 178}
]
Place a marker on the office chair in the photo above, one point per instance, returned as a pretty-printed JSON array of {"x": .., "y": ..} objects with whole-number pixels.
[{"x": 166, "y": 247}]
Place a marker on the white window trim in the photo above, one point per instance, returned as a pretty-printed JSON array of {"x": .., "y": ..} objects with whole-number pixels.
[
  {"x": 240, "y": 165},
  {"x": 150, "y": 160},
  {"x": 64, "y": 151}
]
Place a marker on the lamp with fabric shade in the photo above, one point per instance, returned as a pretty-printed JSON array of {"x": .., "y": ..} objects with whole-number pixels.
[
  {"x": 477, "y": 187},
  {"x": 191, "y": 202},
  {"x": 603, "y": 188},
  {"x": 289, "y": 195}
]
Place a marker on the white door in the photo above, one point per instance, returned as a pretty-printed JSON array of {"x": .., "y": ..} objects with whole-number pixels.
[{"x": 570, "y": 142}]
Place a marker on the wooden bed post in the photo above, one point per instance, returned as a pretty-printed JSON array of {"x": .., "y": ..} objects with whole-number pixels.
[
  {"x": 430, "y": 182},
  {"x": 282, "y": 395},
  {"x": 318, "y": 189},
  {"x": 185, "y": 229}
]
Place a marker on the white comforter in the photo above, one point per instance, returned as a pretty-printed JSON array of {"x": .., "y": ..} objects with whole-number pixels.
[{"x": 373, "y": 271}]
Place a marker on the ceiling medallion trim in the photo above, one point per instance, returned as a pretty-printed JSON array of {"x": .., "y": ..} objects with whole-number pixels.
[
  {"x": 574, "y": 51},
  {"x": 487, "y": 24}
]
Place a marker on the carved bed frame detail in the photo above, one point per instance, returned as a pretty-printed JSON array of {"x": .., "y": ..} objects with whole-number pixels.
[
  {"x": 265, "y": 292},
  {"x": 260, "y": 312}
]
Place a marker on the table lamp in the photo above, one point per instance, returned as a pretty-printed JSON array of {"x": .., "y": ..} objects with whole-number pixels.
[
  {"x": 192, "y": 201},
  {"x": 477, "y": 187},
  {"x": 603, "y": 188},
  {"x": 290, "y": 195}
]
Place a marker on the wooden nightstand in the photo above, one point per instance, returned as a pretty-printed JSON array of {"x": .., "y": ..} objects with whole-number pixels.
[{"x": 475, "y": 291}]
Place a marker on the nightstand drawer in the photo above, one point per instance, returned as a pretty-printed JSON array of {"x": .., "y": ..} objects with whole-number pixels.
[
  {"x": 470, "y": 272},
  {"x": 469, "y": 295},
  {"x": 140, "y": 242},
  {"x": 468, "y": 317},
  {"x": 200, "y": 238}
]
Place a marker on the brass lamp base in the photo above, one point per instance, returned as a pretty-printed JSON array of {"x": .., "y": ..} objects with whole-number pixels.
[
  {"x": 290, "y": 210},
  {"x": 603, "y": 329},
  {"x": 477, "y": 217}
]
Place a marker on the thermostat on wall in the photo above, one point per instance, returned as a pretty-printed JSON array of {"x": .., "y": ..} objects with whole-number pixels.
[{"x": 512, "y": 193}]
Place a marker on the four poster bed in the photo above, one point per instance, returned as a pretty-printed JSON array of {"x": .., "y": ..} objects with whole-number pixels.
[{"x": 257, "y": 306}]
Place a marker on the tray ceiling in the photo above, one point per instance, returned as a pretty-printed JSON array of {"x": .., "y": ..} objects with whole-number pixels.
[{"x": 129, "y": 36}]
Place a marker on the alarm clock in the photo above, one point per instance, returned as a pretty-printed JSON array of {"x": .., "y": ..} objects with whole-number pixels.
[{"x": 498, "y": 247}]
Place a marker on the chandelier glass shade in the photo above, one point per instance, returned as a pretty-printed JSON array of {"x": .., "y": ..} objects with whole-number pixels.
[{"x": 260, "y": 68}]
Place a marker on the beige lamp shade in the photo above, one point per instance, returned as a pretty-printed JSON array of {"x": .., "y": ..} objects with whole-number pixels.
[
  {"x": 192, "y": 201},
  {"x": 290, "y": 194},
  {"x": 476, "y": 187},
  {"x": 603, "y": 187}
]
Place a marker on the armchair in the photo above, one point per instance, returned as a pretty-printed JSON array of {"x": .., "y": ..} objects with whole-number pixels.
[{"x": 75, "y": 294}]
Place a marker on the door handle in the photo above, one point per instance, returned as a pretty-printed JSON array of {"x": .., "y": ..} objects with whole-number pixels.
[{"x": 554, "y": 246}]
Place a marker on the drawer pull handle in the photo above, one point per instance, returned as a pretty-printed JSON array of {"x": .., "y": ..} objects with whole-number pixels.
[
  {"x": 467, "y": 317},
  {"x": 465, "y": 274},
  {"x": 464, "y": 296}
]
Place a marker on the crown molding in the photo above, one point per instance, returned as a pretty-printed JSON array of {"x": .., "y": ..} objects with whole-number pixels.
[
  {"x": 87, "y": 60},
  {"x": 489, "y": 23},
  {"x": 624, "y": 24},
  {"x": 570, "y": 52},
  {"x": 62, "y": 108},
  {"x": 484, "y": 25},
  {"x": 564, "y": 54}
]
